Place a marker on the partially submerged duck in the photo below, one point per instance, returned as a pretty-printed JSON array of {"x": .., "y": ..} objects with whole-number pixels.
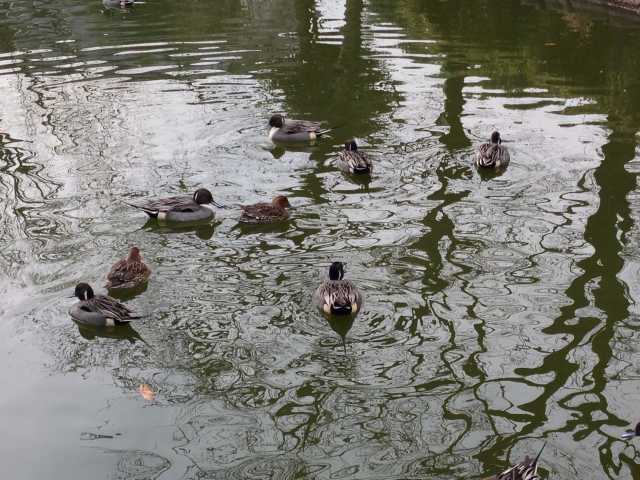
[
  {"x": 182, "y": 208},
  {"x": 128, "y": 272},
  {"x": 336, "y": 296},
  {"x": 99, "y": 310},
  {"x": 352, "y": 160},
  {"x": 287, "y": 130},
  {"x": 525, "y": 470},
  {"x": 493, "y": 154},
  {"x": 266, "y": 212},
  {"x": 629, "y": 434}
]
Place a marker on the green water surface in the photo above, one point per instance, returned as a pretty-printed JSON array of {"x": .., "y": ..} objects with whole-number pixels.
[{"x": 501, "y": 310}]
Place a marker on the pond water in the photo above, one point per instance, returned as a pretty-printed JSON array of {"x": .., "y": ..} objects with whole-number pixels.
[{"x": 501, "y": 311}]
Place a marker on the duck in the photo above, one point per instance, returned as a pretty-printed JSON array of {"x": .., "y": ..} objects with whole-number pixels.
[
  {"x": 629, "y": 434},
  {"x": 525, "y": 470},
  {"x": 493, "y": 154},
  {"x": 294, "y": 131},
  {"x": 181, "y": 208},
  {"x": 352, "y": 160},
  {"x": 266, "y": 212},
  {"x": 117, "y": 3},
  {"x": 128, "y": 272},
  {"x": 336, "y": 296},
  {"x": 99, "y": 310}
]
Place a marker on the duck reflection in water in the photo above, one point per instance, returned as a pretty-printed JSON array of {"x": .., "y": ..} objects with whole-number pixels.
[
  {"x": 203, "y": 231},
  {"x": 342, "y": 326},
  {"x": 124, "y": 332}
]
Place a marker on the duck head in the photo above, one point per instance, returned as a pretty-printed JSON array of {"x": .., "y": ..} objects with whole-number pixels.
[
  {"x": 134, "y": 255},
  {"x": 495, "y": 137},
  {"x": 276, "y": 121},
  {"x": 351, "y": 145},
  {"x": 632, "y": 433},
  {"x": 83, "y": 291},
  {"x": 202, "y": 196},
  {"x": 281, "y": 202},
  {"x": 336, "y": 271}
]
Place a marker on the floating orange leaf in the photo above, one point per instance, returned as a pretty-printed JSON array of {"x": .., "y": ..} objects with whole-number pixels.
[{"x": 146, "y": 391}]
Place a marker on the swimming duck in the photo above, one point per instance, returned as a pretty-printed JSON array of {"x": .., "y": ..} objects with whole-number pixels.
[
  {"x": 128, "y": 272},
  {"x": 493, "y": 154},
  {"x": 352, "y": 160},
  {"x": 99, "y": 310},
  {"x": 289, "y": 130},
  {"x": 337, "y": 296},
  {"x": 629, "y": 434},
  {"x": 117, "y": 3},
  {"x": 266, "y": 212},
  {"x": 525, "y": 470},
  {"x": 181, "y": 208}
]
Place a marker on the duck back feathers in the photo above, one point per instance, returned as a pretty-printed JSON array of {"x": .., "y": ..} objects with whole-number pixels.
[
  {"x": 128, "y": 272},
  {"x": 336, "y": 296}
]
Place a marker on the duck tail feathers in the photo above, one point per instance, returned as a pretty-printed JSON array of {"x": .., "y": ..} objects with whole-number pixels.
[
  {"x": 535, "y": 460},
  {"x": 148, "y": 211},
  {"x": 337, "y": 309}
]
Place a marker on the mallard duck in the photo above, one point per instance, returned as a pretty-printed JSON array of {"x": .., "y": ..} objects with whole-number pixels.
[
  {"x": 525, "y": 470},
  {"x": 266, "y": 212},
  {"x": 182, "y": 208},
  {"x": 337, "y": 296},
  {"x": 99, "y": 310},
  {"x": 352, "y": 160},
  {"x": 128, "y": 272},
  {"x": 631, "y": 433},
  {"x": 493, "y": 154},
  {"x": 294, "y": 131}
]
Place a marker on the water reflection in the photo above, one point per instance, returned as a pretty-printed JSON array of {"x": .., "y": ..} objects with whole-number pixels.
[{"x": 500, "y": 308}]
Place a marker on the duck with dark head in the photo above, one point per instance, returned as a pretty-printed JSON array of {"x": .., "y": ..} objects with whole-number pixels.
[
  {"x": 180, "y": 208},
  {"x": 354, "y": 161},
  {"x": 336, "y": 296},
  {"x": 493, "y": 154},
  {"x": 287, "y": 130},
  {"x": 99, "y": 310}
]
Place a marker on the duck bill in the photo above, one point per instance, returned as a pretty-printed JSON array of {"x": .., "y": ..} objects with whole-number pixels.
[
  {"x": 628, "y": 435},
  {"x": 216, "y": 204}
]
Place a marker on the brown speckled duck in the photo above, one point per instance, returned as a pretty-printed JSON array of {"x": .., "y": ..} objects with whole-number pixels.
[
  {"x": 493, "y": 154},
  {"x": 336, "y": 296},
  {"x": 352, "y": 160},
  {"x": 128, "y": 272},
  {"x": 275, "y": 211}
]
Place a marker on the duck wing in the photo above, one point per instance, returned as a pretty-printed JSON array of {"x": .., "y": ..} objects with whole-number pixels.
[
  {"x": 262, "y": 212},
  {"x": 180, "y": 203},
  {"x": 111, "y": 308},
  {"x": 356, "y": 162},
  {"x": 125, "y": 273},
  {"x": 338, "y": 295},
  {"x": 299, "y": 126},
  {"x": 492, "y": 155}
]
